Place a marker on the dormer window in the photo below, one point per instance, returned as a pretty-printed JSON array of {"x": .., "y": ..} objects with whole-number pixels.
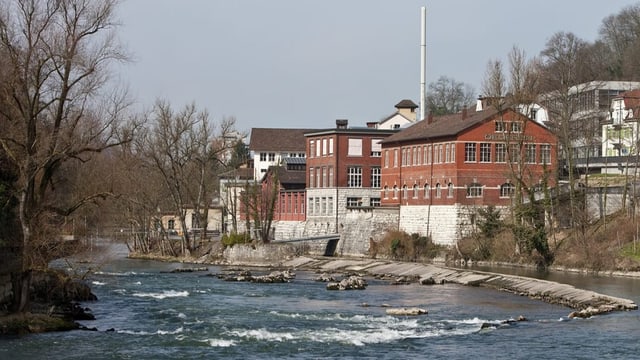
[{"x": 500, "y": 126}]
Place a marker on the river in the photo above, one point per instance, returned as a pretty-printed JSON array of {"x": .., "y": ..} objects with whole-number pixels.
[{"x": 143, "y": 312}]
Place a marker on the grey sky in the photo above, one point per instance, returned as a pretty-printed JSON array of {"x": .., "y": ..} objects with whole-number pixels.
[{"x": 302, "y": 64}]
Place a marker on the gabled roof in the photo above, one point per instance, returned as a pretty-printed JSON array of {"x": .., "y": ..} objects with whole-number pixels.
[
  {"x": 443, "y": 126},
  {"x": 406, "y": 104},
  {"x": 274, "y": 139}
]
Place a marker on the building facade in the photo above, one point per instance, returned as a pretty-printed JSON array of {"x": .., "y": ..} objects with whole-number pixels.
[
  {"x": 440, "y": 169},
  {"x": 269, "y": 146},
  {"x": 343, "y": 172}
]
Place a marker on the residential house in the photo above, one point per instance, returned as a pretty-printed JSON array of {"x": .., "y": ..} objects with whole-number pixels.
[
  {"x": 621, "y": 134},
  {"x": 404, "y": 116},
  {"x": 440, "y": 169},
  {"x": 268, "y": 146}
]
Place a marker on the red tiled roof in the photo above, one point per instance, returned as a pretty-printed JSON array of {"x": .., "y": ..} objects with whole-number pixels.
[
  {"x": 442, "y": 126},
  {"x": 274, "y": 139}
]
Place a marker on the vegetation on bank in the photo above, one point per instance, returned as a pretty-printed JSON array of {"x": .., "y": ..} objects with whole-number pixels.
[{"x": 609, "y": 244}]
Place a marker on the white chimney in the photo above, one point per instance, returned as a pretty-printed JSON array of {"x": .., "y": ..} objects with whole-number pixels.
[{"x": 423, "y": 64}]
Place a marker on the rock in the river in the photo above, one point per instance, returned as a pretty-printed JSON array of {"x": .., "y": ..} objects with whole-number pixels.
[
  {"x": 324, "y": 277},
  {"x": 351, "y": 283},
  {"x": 412, "y": 311}
]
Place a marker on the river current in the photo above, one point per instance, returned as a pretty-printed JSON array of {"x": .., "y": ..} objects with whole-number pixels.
[{"x": 144, "y": 312}]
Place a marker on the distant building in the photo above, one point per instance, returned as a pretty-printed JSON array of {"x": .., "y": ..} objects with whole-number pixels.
[
  {"x": 268, "y": 146},
  {"x": 404, "y": 116}
]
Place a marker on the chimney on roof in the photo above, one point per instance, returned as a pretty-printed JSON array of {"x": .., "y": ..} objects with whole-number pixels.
[
  {"x": 430, "y": 118},
  {"x": 342, "y": 123},
  {"x": 464, "y": 113},
  {"x": 480, "y": 103},
  {"x": 372, "y": 124}
]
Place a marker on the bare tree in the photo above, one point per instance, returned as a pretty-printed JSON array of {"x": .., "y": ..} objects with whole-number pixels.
[
  {"x": 55, "y": 108},
  {"x": 183, "y": 149},
  {"x": 448, "y": 96},
  {"x": 259, "y": 203}
]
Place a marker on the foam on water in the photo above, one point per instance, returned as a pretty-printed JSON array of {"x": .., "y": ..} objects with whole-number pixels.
[
  {"x": 164, "y": 294},
  {"x": 158, "y": 332},
  {"x": 98, "y": 283}
]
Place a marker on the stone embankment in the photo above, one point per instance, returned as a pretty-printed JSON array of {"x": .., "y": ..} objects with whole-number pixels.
[{"x": 585, "y": 303}]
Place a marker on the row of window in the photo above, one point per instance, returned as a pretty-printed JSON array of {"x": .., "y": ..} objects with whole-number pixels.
[
  {"x": 473, "y": 152},
  {"x": 320, "y": 206},
  {"x": 473, "y": 190},
  {"x": 290, "y": 203},
  {"x": 264, "y": 156},
  {"x": 500, "y": 153},
  {"x": 325, "y": 147},
  {"x": 323, "y": 176}
]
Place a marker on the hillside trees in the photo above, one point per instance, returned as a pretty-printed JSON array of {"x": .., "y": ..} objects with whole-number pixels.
[{"x": 55, "y": 108}]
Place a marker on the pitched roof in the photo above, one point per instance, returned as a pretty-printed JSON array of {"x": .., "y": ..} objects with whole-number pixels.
[
  {"x": 632, "y": 102},
  {"x": 442, "y": 126},
  {"x": 406, "y": 104},
  {"x": 274, "y": 139},
  {"x": 289, "y": 179}
]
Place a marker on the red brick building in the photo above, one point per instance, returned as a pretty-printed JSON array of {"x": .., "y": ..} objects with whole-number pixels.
[
  {"x": 343, "y": 170},
  {"x": 472, "y": 158}
]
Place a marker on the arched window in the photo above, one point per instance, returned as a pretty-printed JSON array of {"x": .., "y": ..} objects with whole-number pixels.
[
  {"x": 438, "y": 190},
  {"x": 507, "y": 190},
  {"x": 405, "y": 194},
  {"x": 395, "y": 191},
  {"x": 474, "y": 190},
  {"x": 386, "y": 192},
  {"x": 415, "y": 191},
  {"x": 427, "y": 191},
  {"x": 450, "y": 190}
]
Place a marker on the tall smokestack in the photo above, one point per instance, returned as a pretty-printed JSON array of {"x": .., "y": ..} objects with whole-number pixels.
[{"x": 423, "y": 64}]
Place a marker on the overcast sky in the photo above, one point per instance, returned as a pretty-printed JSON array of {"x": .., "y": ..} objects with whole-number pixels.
[{"x": 303, "y": 64}]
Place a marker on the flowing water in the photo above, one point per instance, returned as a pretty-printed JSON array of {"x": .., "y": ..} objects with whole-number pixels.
[{"x": 143, "y": 312}]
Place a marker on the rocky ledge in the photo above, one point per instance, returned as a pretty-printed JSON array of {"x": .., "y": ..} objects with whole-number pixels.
[{"x": 585, "y": 303}]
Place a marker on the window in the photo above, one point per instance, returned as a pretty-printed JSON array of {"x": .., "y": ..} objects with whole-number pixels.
[
  {"x": 171, "y": 224},
  {"x": 452, "y": 149},
  {"x": 450, "y": 190},
  {"x": 446, "y": 153},
  {"x": 500, "y": 127},
  {"x": 324, "y": 147},
  {"x": 474, "y": 190},
  {"x": 424, "y": 155},
  {"x": 354, "y": 202},
  {"x": 395, "y": 191},
  {"x": 395, "y": 157},
  {"x": 514, "y": 154},
  {"x": 312, "y": 148},
  {"x": 375, "y": 202},
  {"x": 323, "y": 206},
  {"x": 318, "y": 174},
  {"x": 530, "y": 153},
  {"x": 506, "y": 190},
  {"x": 330, "y": 146},
  {"x": 501, "y": 153},
  {"x": 405, "y": 193},
  {"x": 375, "y": 177},
  {"x": 469, "y": 152},
  {"x": 331, "y": 183},
  {"x": 428, "y": 155},
  {"x": 415, "y": 155},
  {"x": 354, "y": 176},
  {"x": 516, "y": 127},
  {"x": 404, "y": 157},
  {"x": 533, "y": 114},
  {"x": 438, "y": 190},
  {"x": 272, "y": 156},
  {"x": 324, "y": 177},
  {"x": 355, "y": 147},
  {"x": 317, "y": 206},
  {"x": 318, "y": 148},
  {"x": 545, "y": 154},
  {"x": 415, "y": 191},
  {"x": 386, "y": 192},
  {"x": 386, "y": 159},
  {"x": 330, "y": 205},
  {"x": 263, "y": 156},
  {"x": 485, "y": 152},
  {"x": 376, "y": 147},
  {"x": 440, "y": 155},
  {"x": 311, "y": 177},
  {"x": 310, "y": 207},
  {"x": 427, "y": 191}
]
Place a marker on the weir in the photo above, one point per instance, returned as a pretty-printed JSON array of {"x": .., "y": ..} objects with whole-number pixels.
[
  {"x": 587, "y": 302},
  {"x": 329, "y": 242}
]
